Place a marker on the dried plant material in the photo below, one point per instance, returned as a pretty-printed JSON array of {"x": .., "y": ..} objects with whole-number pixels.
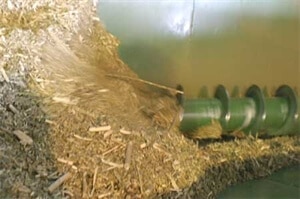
[
  {"x": 59, "y": 182},
  {"x": 84, "y": 186},
  {"x": 223, "y": 160},
  {"x": 104, "y": 195},
  {"x": 65, "y": 52},
  {"x": 33, "y": 20},
  {"x": 94, "y": 182},
  {"x": 172, "y": 90},
  {"x": 211, "y": 131},
  {"x": 125, "y": 132},
  {"x": 49, "y": 121},
  {"x": 88, "y": 67},
  {"x": 270, "y": 163},
  {"x": 114, "y": 165},
  {"x": 69, "y": 162},
  {"x": 68, "y": 193},
  {"x": 82, "y": 138},
  {"x": 144, "y": 145},
  {"x": 99, "y": 128},
  {"x": 158, "y": 147},
  {"x": 4, "y": 75},
  {"x": 103, "y": 90},
  {"x": 238, "y": 134},
  {"x": 115, "y": 148},
  {"x": 18, "y": 187},
  {"x": 79, "y": 110},
  {"x": 107, "y": 134},
  {"x": 13, "y": 109},
  {"x": 265, "y": 147},
  {"x": 173, "y": 182},
  {"x": 64, "y": 100},
  {"x": 128, "y": 155},
  {"x": 23, "y": 137}
]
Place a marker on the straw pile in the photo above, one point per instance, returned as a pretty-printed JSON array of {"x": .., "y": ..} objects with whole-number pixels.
[
  {"x": 101, "y": 115},
  {"x": 112, "y": 134}
]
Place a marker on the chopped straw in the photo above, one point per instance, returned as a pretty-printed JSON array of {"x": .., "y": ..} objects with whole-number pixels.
[
  {"x": 23, "y": 137},
  {"x": 58, "y": 182},
  {"x": 99, "y": 128},
  {"x": 172, "y": 90},
  {"x": 128, "y": 156}
]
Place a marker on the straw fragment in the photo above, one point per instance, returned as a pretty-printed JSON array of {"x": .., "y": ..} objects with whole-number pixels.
[
  {"x": 13, "y": 109},
  {"x": 94, "y": 182},
  {"x": 104, "y": 195},
  {"x": 173, "y": 182},
  {"x": 84, "y": 185},
  {"x": 23, "y": 137},
  {"x": 82, "y": 138},
  {"x": 58, "y": 182},
  {"x": 4, "y": 75},
  {"x": 64, "y": 100},
  {"x": 99, "y": 128},
  {"x": 125, "y": 132},
  {"x": 172, "y": 90},
  {"x": 68, "y": 162},
  {"x": 115, "y": 165},
  {"x": 128, "y": 156}
]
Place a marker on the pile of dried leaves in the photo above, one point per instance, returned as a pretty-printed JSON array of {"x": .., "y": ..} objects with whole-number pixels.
[{"x": 97, "y": 128}]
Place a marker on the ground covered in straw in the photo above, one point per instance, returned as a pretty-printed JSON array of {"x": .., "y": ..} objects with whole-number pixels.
[{"x": 76, "y": 122}]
